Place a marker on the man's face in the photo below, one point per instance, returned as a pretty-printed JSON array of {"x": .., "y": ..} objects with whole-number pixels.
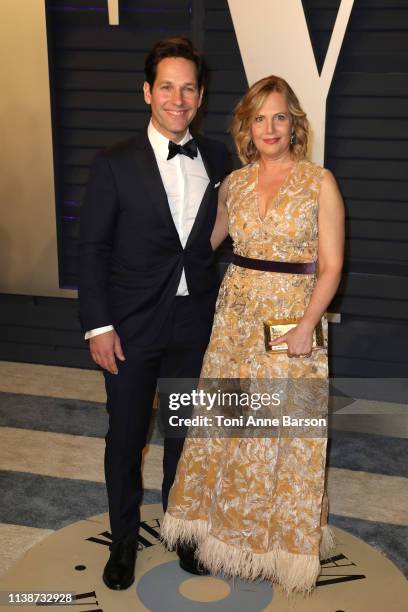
[{"x": 174, "y": 97}]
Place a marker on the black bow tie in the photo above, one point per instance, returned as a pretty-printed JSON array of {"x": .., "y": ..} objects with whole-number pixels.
[{"x": 189, "y": 149}]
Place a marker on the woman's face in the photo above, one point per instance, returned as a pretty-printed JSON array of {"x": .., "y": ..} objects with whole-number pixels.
[{"x": 271, "y": 128}]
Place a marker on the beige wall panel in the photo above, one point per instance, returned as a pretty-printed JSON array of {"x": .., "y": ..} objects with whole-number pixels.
[{"x": 28, "y": 241}]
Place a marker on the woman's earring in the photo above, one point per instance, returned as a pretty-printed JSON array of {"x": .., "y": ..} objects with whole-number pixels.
[{"x": 293, "y": 139}]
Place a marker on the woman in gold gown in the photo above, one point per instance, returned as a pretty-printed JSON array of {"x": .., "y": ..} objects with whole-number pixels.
[{"x": 256, "y": 507}]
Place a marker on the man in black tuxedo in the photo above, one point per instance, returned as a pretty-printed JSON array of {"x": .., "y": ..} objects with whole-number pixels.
[{"x": 147, "y": 284}]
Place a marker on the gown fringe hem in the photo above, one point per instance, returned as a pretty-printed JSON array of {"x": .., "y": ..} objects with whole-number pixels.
[
  {"x": 328, "y": 543},
  {"x": 295, "y": 573},
  {"x": 174, "y": 530}
]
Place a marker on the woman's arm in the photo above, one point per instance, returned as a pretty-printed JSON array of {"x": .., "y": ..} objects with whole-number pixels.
[
  {"x": 330, "y": 251},
  {"x": 220, "y": 231},
  {"x": 330, "y": 262}
]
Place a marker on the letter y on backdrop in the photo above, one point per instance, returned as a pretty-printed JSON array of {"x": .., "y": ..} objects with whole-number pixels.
[{"x": 273, "y": 38}]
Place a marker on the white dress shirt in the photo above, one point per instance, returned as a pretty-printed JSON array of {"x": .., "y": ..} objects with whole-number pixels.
[{"x": 185, "y": 181}]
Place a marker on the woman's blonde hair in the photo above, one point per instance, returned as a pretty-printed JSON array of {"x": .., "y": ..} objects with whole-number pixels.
[{"x": 247, "y": 108}]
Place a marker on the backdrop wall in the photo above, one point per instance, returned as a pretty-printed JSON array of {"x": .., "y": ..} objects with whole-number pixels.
[
  {"x": 28, "y": 239},
  {"x": 96, "y": 73}
]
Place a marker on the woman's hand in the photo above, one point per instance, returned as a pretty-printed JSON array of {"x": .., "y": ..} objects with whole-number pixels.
[{"x": 299, "y": 340}]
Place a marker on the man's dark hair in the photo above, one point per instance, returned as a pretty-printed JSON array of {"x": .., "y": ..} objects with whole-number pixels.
[{"x": 177, "y": 46}]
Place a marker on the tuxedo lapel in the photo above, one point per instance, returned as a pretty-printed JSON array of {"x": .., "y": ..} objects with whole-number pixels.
[{"x": 153, "y": 182}]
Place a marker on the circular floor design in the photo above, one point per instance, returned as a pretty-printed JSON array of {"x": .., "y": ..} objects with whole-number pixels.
[{"x": 357, "y": 579}]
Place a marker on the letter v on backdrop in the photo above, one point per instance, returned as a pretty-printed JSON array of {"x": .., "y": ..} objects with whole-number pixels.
[{"x": 273, "y": 38}]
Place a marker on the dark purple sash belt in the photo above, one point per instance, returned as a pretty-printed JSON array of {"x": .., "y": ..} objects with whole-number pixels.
[{"x": 264, "y": 265}]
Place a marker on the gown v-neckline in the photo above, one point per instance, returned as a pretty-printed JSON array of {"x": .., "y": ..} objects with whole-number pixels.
[{"x": 274, "y": 201}]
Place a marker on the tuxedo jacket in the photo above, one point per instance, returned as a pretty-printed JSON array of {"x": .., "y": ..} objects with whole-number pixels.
[{"x": 130, "y": 255}]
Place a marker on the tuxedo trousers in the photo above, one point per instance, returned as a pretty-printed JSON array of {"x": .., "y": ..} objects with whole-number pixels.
[{"x": 178, "y": 353}]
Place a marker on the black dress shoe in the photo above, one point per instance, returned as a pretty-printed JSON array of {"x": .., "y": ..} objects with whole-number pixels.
[
  {"x": 119, "y": 572},
  {"x": 188, "y": 561}
]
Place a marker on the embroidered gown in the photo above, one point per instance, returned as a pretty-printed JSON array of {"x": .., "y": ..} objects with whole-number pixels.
[{"x": 256, "y": 507}]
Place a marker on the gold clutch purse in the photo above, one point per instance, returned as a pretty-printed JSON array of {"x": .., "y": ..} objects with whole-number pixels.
[{"x": 274, "y": 328}]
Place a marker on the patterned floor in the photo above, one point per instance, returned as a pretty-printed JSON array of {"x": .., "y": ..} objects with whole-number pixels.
[{"x": 51, "y": 470}]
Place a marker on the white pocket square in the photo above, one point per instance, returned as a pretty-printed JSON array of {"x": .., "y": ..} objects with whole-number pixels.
[{"x": 217, "y": 184}]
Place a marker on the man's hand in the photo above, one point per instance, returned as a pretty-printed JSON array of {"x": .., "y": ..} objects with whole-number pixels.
[{"x": 104, "y": 348}]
